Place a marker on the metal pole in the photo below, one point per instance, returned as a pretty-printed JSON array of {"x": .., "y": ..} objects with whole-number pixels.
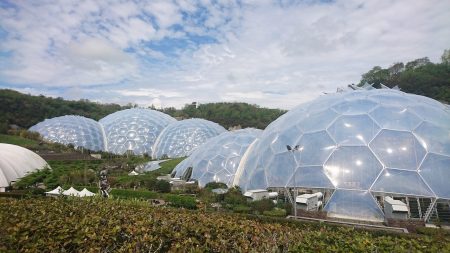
[{"x": 295, "y": 192}]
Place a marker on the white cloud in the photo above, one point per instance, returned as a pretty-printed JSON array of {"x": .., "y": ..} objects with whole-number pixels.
[{"x": 268, "y": 53}]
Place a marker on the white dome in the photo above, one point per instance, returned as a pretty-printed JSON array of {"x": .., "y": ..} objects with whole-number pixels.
[
  {"x": 76, "y": 130},
  {"x": 356, "y": 144},
  {"x": 218, "y": 159},
  {"x": 134, "y": 129},
  {"x": 16, "y": 162},
  {"x": 182, "y": 137}
]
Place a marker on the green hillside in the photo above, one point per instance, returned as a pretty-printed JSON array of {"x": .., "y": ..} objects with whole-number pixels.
[{"x": 26, "y": 110}]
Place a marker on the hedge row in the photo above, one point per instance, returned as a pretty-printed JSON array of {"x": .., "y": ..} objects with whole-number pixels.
[{"x": 105, "y": 225}]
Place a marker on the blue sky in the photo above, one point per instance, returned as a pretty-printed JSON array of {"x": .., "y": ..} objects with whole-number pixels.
[{"x": 168, "y": 53}]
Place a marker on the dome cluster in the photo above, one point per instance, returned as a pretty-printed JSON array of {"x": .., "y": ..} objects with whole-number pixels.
[
  {"x": 133, "y": 130},
  {"x": 355, "y": 145}
]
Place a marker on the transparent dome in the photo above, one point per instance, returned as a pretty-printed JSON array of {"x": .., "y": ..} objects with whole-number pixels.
[
  {"x": 76, "y": 130},
  {"x": 134, "y": 129},
  {"x": 182, "y": 137},
  {"x": 218, "y": 159},
  {"x": 16, "y": 162},
  {"x": 356, "y": 144}
]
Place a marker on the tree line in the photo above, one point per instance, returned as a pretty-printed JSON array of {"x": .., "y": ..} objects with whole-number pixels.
[
  {"x": 26, "y": 110},
  {"x": 419, "y": 76}
]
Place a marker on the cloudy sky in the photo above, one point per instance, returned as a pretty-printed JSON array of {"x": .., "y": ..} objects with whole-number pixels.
[{"x": 167, "y": 53}]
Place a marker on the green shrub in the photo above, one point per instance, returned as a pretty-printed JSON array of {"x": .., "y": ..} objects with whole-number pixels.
[
  {"x": 181, "y": 201},
  {"x": 276, "y": 212},
  {"x": 127, "y": 194},
  {"x": 215, "y": 185},
  {"x": 234, "y": 197},
  {"x": 162, "y": 186},
  {"x": 242, "y": 209},
  {"x": 262, "y": 205}
]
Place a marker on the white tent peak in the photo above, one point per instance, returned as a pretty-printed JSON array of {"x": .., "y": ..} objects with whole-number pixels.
[
  {"x": 86, "y": 193},
  {"x": 71, "y": 192},
  {"x": 58, "y": 190}
]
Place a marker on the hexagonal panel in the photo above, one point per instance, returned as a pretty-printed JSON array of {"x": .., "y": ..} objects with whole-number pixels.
[
  {"x": 395, "y": 118},
  {"x": 352, "y": 168},
  {"x": 314, "y": 148},
  {"x": 284, "y": 138},
  {"x": 353, "y": 204},
  {"x": 398, "y": 149},
  {"x": 435, "y": 170},
  {"x": 401, "y": 182},
  {"x": 310, "y": 177},
  {"x": 434, "y": 138},
  {"x": 392, "y": 99},
  {"x": 279, "y": 168},
  {"x": 432, "y": 114},
  {"x": 353, "y": 130},
  {"x": 317, "y": 121},
  {"x": 355, "y": 106}
]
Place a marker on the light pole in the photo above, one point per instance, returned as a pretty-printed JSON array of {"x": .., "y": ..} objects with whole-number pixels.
[{"x": 291, "y": 150}]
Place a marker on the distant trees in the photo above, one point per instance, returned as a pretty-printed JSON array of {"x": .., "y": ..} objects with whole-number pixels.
[
  {"x": 228, "y": 114},
  {"x": 420, "y": 77},
  {"x": 26, "y": 110}
]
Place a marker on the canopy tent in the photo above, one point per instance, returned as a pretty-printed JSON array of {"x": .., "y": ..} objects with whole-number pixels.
[
  {"x": 57, "y": 191},
  {"x": 71, "y": 192},
  {"x": 86, "y": 193},
  {"x": 133, "y": 173}
]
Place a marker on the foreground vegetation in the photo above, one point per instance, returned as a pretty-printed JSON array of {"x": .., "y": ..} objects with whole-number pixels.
[{"x": 98, "y": 225}]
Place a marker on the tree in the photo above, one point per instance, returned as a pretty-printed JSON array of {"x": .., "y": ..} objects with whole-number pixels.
[
  {"x": 375, "y": 76},
  {"x": 445, "y": 58}
]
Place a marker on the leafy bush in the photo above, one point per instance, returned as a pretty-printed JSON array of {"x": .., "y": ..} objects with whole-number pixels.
[
  {"x": 262, "y": 205},
  {"x": 235, "y": 197},
  {"x": 127, "y": 194},
  {"x": 181, "y": 201},
  {"x": 242, "y": 209},
  {"x": 276, "y": 212},
  {"x": 215, "y": 185},
  {"x": 162, "y": 186}
]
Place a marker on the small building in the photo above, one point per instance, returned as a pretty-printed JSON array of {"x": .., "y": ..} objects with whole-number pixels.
[
  {"x": 395, "y": 209},
  {"x": 254, "y": 195},
  {"x": 309, "y": 202}
]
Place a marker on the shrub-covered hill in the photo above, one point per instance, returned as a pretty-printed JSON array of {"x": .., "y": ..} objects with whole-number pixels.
[
  {"x": 26, "y": 110},
  {"x": 97, "y": 225}
]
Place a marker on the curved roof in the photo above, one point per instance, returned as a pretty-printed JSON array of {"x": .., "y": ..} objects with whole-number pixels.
[
  {"x": 134, "y": 129},
  {"x": 355, "y": 143},
  {"x": 76, "y": 130},
  {"x": 16, "y": 162},
  {"x": 218, "y": 159},
  {"x": 182, "y": 137}
]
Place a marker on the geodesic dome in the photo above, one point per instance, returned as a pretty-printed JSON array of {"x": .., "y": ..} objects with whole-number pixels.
[
  {"x": 134, "y": 129},
  {"x": 76, "y": 130},
  {"x": 356, "y": 144},
  {"x": 218, "y": 159},
  {"x": 16, "y": 162},
  {"x": 182, "y": 137}
]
